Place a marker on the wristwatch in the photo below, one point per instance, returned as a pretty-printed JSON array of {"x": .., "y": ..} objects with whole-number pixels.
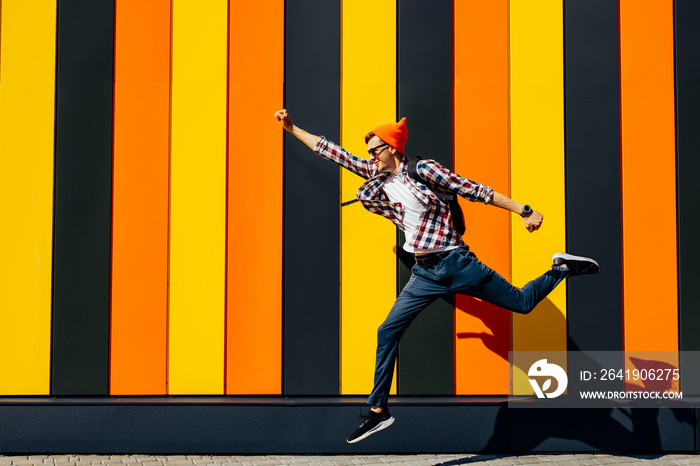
[{"x": 527, "y": 210}]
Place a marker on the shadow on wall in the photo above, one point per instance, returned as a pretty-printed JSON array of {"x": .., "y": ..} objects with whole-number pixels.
[
  {"x": 497, "y": 340},
  {"x": 576, "y": 429},
  {"x": 594, "y": 429}
]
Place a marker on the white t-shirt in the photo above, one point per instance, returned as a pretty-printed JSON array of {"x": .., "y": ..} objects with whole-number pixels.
[{"x": 399, "y": 191}]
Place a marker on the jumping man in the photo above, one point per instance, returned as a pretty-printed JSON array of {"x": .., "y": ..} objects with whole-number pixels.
[{"x": 444, "y": 264}]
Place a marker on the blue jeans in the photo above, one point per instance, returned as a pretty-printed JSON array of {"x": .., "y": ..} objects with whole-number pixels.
[{"x": 459, "y": 272}]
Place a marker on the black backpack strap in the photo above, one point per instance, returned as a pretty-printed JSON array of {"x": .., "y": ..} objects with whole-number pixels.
[{"x": 412, "y": 168}]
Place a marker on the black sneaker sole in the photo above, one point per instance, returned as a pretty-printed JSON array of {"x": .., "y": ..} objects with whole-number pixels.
[
  {"x": 579, "y": 265},
  {"x": 381, "y": 426}
]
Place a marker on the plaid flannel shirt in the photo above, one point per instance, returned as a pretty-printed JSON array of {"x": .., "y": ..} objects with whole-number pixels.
[{"x": 435, "y": 229}]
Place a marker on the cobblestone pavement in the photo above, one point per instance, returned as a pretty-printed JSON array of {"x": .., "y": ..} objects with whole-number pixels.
[{"x": 398, "y": 460}]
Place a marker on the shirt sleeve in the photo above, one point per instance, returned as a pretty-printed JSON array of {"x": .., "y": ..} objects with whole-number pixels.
[
  {"x": 437, "y": 175},
  {"x": 345, "y": 159}
]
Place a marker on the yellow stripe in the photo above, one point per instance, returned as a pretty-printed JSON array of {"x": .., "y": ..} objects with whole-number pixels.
[
  {"x": 197, "y": 197},
  {"x": 27, "y": 75},
  {"x": 537, "y": 162},
  {"x": 368, "y": 241}
]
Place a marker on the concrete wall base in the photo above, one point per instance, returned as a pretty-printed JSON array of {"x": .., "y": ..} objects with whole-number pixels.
[{"x": 278, "y": 425}]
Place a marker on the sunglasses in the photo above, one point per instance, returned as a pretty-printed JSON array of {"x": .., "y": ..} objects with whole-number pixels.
[{"x": 373, "y": 151}]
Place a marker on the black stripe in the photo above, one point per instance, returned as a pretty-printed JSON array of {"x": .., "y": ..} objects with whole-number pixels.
[
  {"x": 311, "y": 201},
  {"x": 349, "y": 202},
  {"x": 592, "y": 130},
  {"x": 688, "y": 165},
  {"x": 82, "y": 206},
  {"x": 426, "y": 354}
]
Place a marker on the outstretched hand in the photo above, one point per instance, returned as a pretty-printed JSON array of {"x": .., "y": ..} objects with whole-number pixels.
[
  {"x": 283, "y": 116},
  {"x": 533, "y": 221},
  {"x": 307, "y": 138}
]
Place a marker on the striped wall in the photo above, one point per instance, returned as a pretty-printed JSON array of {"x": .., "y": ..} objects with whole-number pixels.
[
  {"x": 361, "y": 90},
  {"x": 161, "y": 235},
  {"x": 311, "y": 275},
  {"x": 27, "y": 102},
  {"x": 254, "y": 271},
  {"x": 425, "y": 74},
  {"x": 481, "y": 122},
  {"x": 80, "y": 344},
  {"x": 141, "y": 139}
]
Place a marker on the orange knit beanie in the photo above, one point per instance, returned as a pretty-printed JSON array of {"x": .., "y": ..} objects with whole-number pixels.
[{"x": 394, "y": 134}]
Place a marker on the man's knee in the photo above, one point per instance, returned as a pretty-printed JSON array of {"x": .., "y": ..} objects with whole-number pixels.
[
  {"x": 521, "y": 307},
  {"x": 383, "y": 333},
  {"x": 387, "y": 333}
]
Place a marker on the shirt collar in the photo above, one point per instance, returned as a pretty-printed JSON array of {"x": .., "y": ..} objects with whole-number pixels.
[{"x": 403, "y": 167}]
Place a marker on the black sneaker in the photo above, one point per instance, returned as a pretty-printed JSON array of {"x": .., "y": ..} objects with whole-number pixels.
[
  {"x": 371, "y": 422},
  {"x": 577, "y": 265}
]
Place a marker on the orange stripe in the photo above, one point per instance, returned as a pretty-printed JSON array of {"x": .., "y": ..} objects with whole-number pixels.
[
  {"x": 140, "y": 213},
  {"x": 481, "y": 154},
  {"x": 648, "y": 175},
  {"x": 254, "y": 309}
]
